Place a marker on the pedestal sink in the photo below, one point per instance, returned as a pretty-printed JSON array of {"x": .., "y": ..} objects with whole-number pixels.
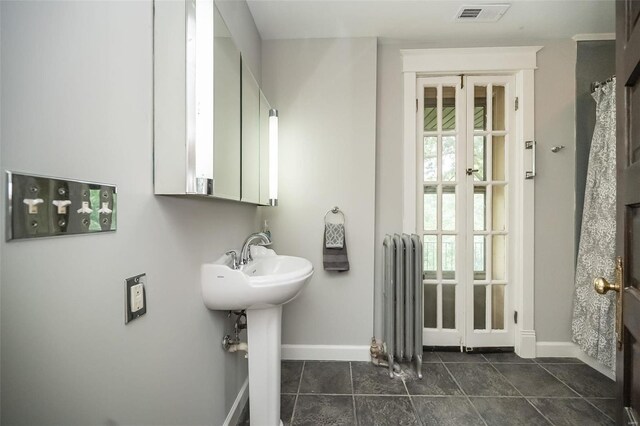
[{"x": 261, "y": 287}]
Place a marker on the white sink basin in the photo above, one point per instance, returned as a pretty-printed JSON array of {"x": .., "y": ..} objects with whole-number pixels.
[
  {"x": 267, "y": 281},
  {"x": 261, "y": 287}
]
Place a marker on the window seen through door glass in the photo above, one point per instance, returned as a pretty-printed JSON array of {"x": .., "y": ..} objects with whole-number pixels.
[
  {"x": 498, "y": 166},
  {"x": 448, "y": 306},
  {"x": 430, "y": 109},
  {"x": 479, "y": 155},
  {"x": 479, "y": 307},
  {"x": 430, "y": 305},
  {"x": 430, "y": 252},
  {"x": 448, "y": 158},
  {"x": 448, "y": 257},
  {"x": 497, "y": 100},
  {"x": 480, "y": 108},
  {"x": 448, "y": 108},
  {"x": 430, "y": 158},
  {"x": 479, "y": 206},
  {"x": 430, "y": 208},
  {"x": 497, "y": 306},
  {"x": 448, "y": 208}
]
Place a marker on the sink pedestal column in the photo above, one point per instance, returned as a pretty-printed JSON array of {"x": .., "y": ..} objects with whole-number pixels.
[{"x": 264, "y": 328}]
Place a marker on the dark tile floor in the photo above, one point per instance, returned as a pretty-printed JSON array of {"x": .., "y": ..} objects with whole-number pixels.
[{"x": 456, "y": 389}]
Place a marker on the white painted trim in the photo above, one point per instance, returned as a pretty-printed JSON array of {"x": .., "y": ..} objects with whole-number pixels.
[
  {"x": 410, "y": 205},
  {"x": 525, "y": 343},
  {"x": 594, "y": 37},
  {"x": 521, "y": 62},
  {"x": 571, "y": 350},
  {"x": 238, "y": 405},
  {"x": 326, "y": 352},
  {"x": 524, "y": 217},
  {"x": 475, "y": 59}
]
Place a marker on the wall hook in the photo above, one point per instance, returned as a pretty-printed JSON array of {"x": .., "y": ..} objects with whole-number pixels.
[{"x": 557, "y": 148}]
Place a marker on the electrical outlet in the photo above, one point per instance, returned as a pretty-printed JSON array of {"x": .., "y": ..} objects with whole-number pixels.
[{"x": 135, "y": 297}]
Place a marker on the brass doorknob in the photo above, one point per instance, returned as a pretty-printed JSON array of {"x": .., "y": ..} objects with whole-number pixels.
[{"x": 602, "y": 286}]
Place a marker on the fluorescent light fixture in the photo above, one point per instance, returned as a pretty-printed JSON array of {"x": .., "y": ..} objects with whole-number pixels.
[
  {"x": 273, "y": 157},
  {"x": 204, "y": 95}
]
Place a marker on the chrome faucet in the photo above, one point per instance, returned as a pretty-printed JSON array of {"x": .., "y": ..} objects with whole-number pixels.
[
  {"x": 234, "y": 259},
  {"x": 245, "y": 253}
]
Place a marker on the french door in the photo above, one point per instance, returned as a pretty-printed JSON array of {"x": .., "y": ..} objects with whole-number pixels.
[{"x": 466, "y": 126}]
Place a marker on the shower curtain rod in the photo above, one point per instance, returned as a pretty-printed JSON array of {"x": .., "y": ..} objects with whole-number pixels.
[{"x": 597, "y": 84}]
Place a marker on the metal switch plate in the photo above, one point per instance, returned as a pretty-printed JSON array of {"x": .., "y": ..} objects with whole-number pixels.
[
  {"x": 135, "y": 297},
  {"x": 39, "y": 206}
]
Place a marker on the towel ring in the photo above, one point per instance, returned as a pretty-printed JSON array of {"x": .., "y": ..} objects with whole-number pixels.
[{"x": 335, "y": 210}]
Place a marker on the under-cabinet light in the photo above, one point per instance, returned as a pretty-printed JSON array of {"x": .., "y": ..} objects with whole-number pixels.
[{"x": 273, "y": 157}]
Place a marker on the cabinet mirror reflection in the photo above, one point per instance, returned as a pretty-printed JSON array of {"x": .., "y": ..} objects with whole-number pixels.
[{"x": 211, "y": 134}]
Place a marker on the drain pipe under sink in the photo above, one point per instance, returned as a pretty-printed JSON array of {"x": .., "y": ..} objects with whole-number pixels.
[{"x": 234, "y": 344}]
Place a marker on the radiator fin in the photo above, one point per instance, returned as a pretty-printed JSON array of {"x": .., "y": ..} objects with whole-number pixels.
[{"x": 403, "y": 293}]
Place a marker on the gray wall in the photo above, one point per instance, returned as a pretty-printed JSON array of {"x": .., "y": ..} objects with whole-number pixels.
[
  {"x": 595, "y": 62},
  {"x": 76, "y": 81},
  {"x": 325, "y": 91},
  {"x": 554, "y": 192}
]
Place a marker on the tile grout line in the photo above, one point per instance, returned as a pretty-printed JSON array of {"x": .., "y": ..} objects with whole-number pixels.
[
  {"x": 348, "y": 394},
  {"x": 387, "y": 395},
  {"x": 562, "y": 381},
  {"x": 579, "y": 394},
  {"x": 304, "y": 363},
  {"x": 295, "y": 402},
  {"x": 598, "y": 408},
  {"x": 464, "y": 393},
  {"x": 353, "y": 396},
  {"x": 521, "y": 394},
  {"x": 415, "y": 411}
]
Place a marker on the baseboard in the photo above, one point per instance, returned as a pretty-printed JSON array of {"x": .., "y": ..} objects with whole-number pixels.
[
  {"x": 571, "y": 350},
  {"x": 526, "y": 343},
  {"x": 326, "y": 352},
  {"x": 238, "y": 405},
  {"x": 557, "y": 350}
]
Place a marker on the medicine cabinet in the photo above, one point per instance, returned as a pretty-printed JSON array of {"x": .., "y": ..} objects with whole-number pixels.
[{"x": 211, "y": 135}]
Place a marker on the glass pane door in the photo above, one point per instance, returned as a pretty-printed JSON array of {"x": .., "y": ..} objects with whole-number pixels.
[
  {"x": 442, "y": 158},
  {"x": 465, "y": 135},
  {"x": 490, "y": 131}
]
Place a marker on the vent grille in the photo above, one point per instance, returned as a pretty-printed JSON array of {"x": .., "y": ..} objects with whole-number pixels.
[
  {"x": 469, "y": 13},
  {"x": 481, "y": 13}
]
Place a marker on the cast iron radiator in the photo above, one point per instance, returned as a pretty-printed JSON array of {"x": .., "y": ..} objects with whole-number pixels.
[{"x": 403, "y": 292}]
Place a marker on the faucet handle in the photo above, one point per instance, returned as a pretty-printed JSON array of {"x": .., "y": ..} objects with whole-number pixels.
[{"x": 234, "y": 258}]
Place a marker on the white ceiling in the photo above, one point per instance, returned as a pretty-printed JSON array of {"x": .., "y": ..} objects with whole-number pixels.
[{"x": 428, "y": 20}]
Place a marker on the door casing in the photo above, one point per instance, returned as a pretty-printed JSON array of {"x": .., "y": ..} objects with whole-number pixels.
[{"x": 520, "y": 62}]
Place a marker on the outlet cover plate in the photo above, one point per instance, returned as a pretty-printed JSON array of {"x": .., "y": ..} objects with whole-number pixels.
[{"x": 128, "y": 283}]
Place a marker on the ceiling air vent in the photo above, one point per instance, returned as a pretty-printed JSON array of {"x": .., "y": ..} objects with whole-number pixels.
[{"x": 481, "y": 13}]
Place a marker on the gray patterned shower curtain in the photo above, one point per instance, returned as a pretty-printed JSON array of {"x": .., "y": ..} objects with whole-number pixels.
[{"x": 593, "y": 314}]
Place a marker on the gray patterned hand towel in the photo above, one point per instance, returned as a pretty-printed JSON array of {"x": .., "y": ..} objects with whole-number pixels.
[
  {"x": 335, "y": 259},
  {"x": 334, "y": 235}
]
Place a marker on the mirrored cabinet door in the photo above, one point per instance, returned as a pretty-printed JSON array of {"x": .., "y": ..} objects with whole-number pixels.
[
  {"x": 211, "y": 121},
  {"x": 250, "y": 137},
  {"x": 226, "y": 74}
]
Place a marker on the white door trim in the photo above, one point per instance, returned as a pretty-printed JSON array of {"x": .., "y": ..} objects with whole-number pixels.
[
  {"x": 520, "y": 62},
  {"x": 469, "y": 60}
]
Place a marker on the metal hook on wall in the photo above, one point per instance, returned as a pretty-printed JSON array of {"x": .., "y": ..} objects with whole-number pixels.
[{"x": 557, "y": 148}]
